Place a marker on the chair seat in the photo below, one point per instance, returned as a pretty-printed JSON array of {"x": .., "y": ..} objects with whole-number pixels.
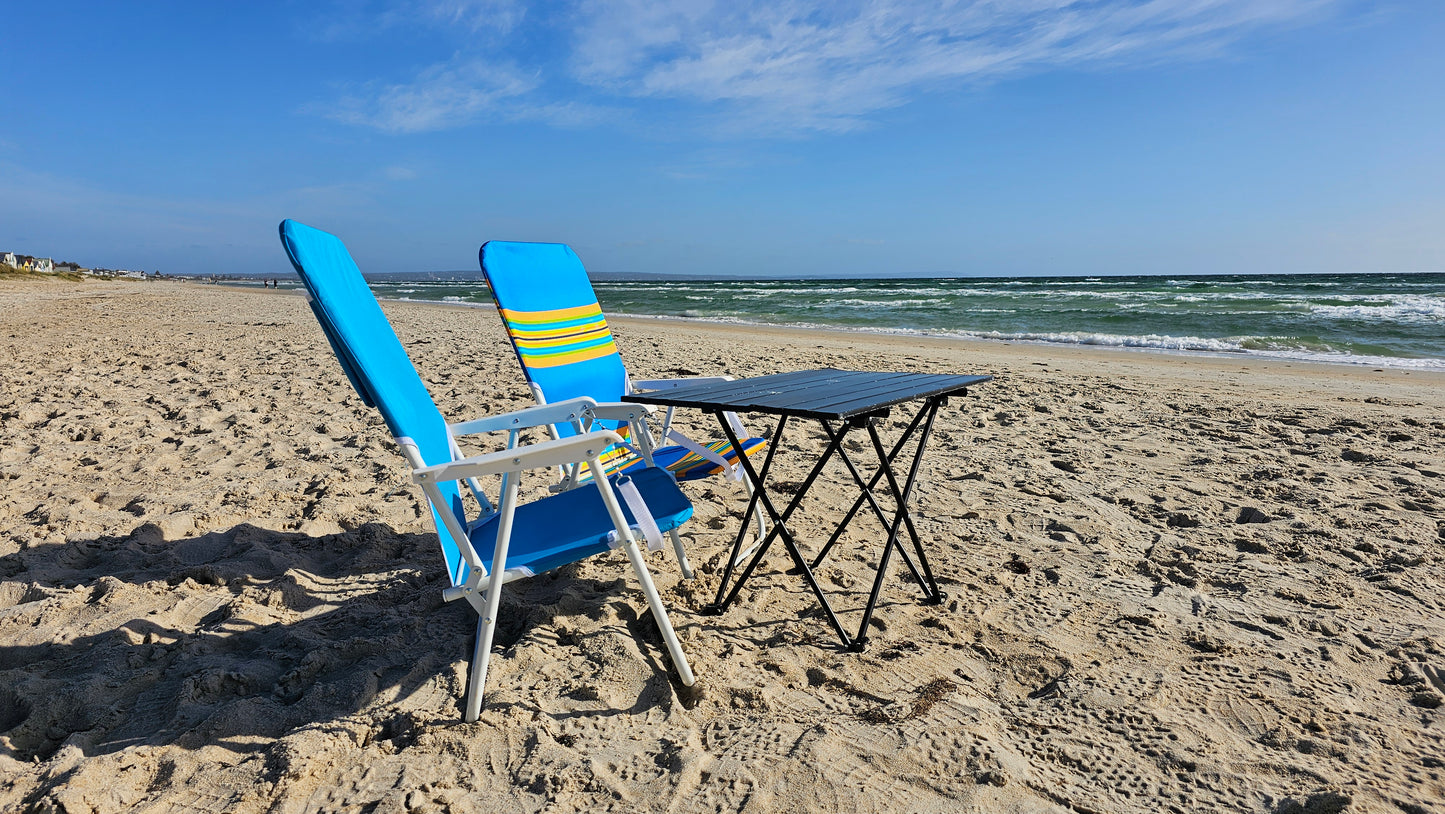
[
  {"x": 574, "y": 525},
  {"x": 685, "y": 464}
]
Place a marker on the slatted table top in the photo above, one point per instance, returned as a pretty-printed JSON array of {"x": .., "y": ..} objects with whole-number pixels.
[{"x": 822, "y": 394}]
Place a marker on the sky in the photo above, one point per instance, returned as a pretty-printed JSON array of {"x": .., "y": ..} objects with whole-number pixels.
[{"x": 740, "y": 138}]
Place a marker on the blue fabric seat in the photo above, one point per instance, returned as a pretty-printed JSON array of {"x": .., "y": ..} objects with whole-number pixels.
[{"x": 574, "y": 525}]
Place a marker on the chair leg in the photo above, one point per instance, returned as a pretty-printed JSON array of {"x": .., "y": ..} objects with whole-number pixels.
[
  {"x": 487, "y": 624},
  {"x": 762, "y": 525},
  {"x": 481, "y": 655},
  {"x": 682, "y": 562},
  {"x": 659, "y": 615}
]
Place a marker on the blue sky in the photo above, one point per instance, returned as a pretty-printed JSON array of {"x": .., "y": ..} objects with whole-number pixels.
[{"x": 837, "y": 138}]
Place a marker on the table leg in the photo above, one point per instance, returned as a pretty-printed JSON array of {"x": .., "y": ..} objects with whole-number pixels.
[
  {"x": 873, "y": 482},
  {"x": 866, "y": 496},
  {"x": 933, "y": 406},
  {"x": 773, "y": 444},
  {"x": 780, "y": 529},
  {"x": 902, "y": 497}
]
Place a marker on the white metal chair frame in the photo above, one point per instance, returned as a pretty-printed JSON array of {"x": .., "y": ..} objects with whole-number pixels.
[{"x": 483, "y": 586}]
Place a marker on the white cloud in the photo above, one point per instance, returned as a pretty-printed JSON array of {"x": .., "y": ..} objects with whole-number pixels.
[
  {"x": 354, "y": 20},
  {"x": 784, "y": 66},
  {"x": 476, "y": 15},
  {"x": 805, "y": 66},
  {"x": 442, "y": 96}
]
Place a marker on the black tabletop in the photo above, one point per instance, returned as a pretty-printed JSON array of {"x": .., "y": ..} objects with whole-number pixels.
[{"x": 826, "y": 394}]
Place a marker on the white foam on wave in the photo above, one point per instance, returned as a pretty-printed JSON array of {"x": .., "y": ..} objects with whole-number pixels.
[
  {"x": 445, "y": 301},
  {"x": 1413, "y": 309},
  {"x": 1269, "y": 347},
  {"x": 862, "y": 303},
  {"x": 1147, "y": 341}
]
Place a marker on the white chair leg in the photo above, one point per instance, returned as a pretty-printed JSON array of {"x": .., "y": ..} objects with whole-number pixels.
[
  {"x": 743, "y": 555},
  {"x": 629, "y": 542},
  {"x": 487, "y": 625},
  {"x": 659, "y": 615},
  {"x": 481, "y": 654},
  {"x": 682, "y": 562}
]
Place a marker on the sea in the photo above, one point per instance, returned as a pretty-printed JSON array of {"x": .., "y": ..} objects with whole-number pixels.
[{"x": 1381, "y": 320}]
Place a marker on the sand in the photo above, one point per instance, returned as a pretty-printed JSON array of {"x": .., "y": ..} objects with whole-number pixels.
[{"x": 1175, "y": 584}]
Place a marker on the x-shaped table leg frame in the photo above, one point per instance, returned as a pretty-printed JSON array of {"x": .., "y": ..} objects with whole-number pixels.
[{"x": 901, "y": 517}]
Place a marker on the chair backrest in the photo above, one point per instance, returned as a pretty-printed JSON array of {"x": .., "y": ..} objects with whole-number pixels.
[
  {"x": 555, "y": 324},
  {"x": 373, "y": 358}
]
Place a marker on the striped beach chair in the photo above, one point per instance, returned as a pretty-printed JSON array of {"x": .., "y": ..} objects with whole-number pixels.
[{"x": 566, "y": 350}]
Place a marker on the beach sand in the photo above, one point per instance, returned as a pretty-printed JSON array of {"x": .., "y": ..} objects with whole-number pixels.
[{"x": 220, "y": 591}]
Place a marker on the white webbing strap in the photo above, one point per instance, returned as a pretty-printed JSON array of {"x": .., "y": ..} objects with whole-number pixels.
[
  {"x": 646, "y": 523},
  {"x": 690, "y": 445},
  {"x": 737, "y": 424}
]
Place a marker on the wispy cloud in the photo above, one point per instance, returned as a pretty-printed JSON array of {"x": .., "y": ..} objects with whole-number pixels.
[
  {"x": 785, "y": 66},
  {"x": 351, "y": 20},
  {"x": 805, "y": 67},
  {"x": 442, "y": 96}
]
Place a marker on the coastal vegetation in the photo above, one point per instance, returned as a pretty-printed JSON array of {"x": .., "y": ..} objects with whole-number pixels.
[{"x": 10, "y": 272}]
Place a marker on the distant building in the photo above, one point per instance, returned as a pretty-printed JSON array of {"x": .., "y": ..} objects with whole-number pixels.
[
  {"x": 43, "y": 265},
  {"x": 11, "y": 261}
]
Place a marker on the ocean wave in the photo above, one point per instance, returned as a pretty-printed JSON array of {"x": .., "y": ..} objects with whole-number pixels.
[
  {"x": 862, "y": 303},
  {"x": 1267, "y": 347},
  {"x": 453, "y": 301},
  {"x": 1415, "y": 309},
  {"x": 1149, "y": 341}
]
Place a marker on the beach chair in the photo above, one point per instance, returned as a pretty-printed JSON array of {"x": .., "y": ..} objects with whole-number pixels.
[
  {"x": 525, "y": 539},
  {"x": 566, "y": 350}
]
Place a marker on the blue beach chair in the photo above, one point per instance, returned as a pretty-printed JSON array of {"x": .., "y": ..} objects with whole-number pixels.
[
  {"x": 566, "y": 351},
  {"x": 527, "y": 539}
]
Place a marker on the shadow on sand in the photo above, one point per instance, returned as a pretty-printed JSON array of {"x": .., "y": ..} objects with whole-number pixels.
[{"x": 234, "y": 638}]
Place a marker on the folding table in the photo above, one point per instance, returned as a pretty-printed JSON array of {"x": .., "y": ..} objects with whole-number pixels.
[{"x": 841, "y": 401}]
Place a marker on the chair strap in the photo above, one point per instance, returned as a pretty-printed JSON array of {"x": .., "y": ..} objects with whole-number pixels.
[
  {"x": 737, "y": 424},
  {"x": 646, "y": 523},
  {"x": 733, "y": 471}
]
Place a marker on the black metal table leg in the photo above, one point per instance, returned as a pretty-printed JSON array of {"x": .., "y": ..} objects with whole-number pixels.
[
  {"x": 780, "y": 529},
  {"x": 902, "y": 496},
  {"x": 873, "y": 482},
  {"x": 773, "y": 444},
  {"x": 867, "y": 496}
]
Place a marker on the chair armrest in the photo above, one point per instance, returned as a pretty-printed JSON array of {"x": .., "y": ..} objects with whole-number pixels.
[
  {"x": 621, "y": 411},
  {"x": 557, "y": 413},
  {"x": 572, "y": 450},
  {"x": 668, "y": 384}
]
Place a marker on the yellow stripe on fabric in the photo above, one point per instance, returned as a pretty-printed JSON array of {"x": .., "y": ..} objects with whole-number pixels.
[
  {"x": 556, "y": 315},
  {"x": 559, "y": 337},
  {"x": 560, "y": 359}
]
